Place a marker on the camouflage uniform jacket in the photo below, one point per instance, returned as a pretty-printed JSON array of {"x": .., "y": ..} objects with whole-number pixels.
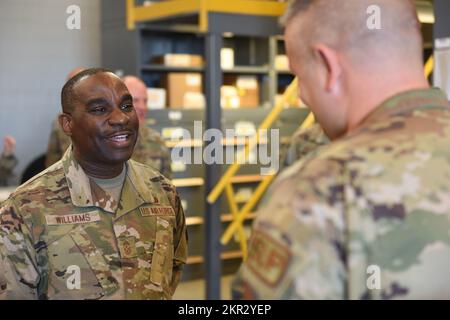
[
  {"x": 367, "y": 217},
  {"x": 150, "y": 149},
  {"x": 303, "y": 142},
  {"x": 7, "y": 164},
  {"x": 63, "y": 237}
]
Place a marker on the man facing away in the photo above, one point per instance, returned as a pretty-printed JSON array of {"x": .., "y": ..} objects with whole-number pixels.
[{"x": 368, "y": 216}]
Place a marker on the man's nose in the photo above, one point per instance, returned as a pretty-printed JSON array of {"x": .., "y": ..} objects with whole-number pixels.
[{"x": 118, "y": 117}]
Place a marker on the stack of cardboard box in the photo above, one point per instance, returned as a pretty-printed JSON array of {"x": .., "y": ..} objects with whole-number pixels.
[
  {"x": 240, "y": 92},
  {"x": 156, "y": 98},
  {"x": 184, "y": 90}
]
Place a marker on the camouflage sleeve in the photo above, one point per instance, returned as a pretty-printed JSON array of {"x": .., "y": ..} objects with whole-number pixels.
[
  {"x": 19, "y": 278},
  {"x": 295, "y": 251},
  {"x": 54, "y": 149},
  {"x": 7, "y": 164},
  {"x": 303, "y": 143},
  {"x": 180, "y": 237}
]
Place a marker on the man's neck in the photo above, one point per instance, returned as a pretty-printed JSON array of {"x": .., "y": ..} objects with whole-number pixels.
[
  {"x": 366, "y": 101},
  {"x": 100, "y": 171}
]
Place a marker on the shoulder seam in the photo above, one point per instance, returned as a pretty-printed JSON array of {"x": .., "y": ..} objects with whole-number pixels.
[{"x": 52, "y": 168}]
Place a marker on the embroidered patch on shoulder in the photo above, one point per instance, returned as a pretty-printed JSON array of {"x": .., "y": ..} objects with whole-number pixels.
[
  {"x": 157, "y": 211},
  {"x": 77, "y": 218},
  {"x": 268, "y": 258}
]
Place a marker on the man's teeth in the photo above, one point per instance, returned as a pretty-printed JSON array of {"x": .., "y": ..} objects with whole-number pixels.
[{"x": 120, "y": 138}]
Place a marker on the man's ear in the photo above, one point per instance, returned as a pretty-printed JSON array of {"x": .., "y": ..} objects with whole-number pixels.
[
  {"x": 329, "y": 59},
  {"x": 65, "y": 121}
]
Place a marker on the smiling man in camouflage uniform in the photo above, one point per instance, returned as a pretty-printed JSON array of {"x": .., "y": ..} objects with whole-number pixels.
[
  {"x": 368, "y": 216},
  {"x": 150, "y": 149},
  {"x": 94, "y": 225}
]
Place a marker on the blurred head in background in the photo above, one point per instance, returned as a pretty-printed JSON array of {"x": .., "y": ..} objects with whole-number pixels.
[{"x": 138, "y": 91}]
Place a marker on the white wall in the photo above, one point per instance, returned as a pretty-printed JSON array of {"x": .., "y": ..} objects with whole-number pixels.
[{"x": 36, "y": 53}]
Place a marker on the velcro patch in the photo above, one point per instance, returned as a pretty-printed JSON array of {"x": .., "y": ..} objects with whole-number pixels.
[
  {"x": 77, "y": 218},
  {"x": 127, "y": 247},
  {"x": 157, "y": 211},
  {"x": 268, "y": 258}
]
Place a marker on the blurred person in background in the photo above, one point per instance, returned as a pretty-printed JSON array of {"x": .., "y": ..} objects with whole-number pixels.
[
  {"x": 7, "y": 160},
  {"x": 150, "y": 148}
]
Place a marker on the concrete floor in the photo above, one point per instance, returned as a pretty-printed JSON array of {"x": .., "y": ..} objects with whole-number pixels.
[{"x": 195, "y": 290}]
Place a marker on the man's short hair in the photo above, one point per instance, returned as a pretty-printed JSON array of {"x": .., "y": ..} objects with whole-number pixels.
[
  {"x": 293, "y": 8},
  {"x": 67, "y": 92},
  {"x": 343, "y": 25}
]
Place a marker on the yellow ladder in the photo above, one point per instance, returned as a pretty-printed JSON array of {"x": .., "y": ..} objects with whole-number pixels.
[{"x": 225, "y": 182}]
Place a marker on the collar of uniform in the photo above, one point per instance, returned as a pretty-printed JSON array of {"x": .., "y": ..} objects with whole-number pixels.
[
  {"x": 77, "y": 181},
  {"x": 82, "y": 194},
  {"x": 135, "y": 191},
  {"x": 432, "y": 98}
]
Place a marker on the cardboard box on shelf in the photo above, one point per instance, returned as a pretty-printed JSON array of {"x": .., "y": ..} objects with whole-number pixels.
[
  {"x": 281, "y": 62},
  {"x": 229, "y": 97},
  {"x": 179, "y": 60},
  {"x": 227, "y": 58},
  {"x": 182, "y": 88},
  {"x": 194, "y": 100},
  {"x": 247, "y": 88},
  {"x": 156, "y": 98},
  {"x": 248, "y": 91}
]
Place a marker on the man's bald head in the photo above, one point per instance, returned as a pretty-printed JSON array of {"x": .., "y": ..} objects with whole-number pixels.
[
  {"x": 346, "y": 64},
  {"x": 133, "y": 81},
  {"x": 138, "y": 91},
  {"x": 343, "y": 25}
]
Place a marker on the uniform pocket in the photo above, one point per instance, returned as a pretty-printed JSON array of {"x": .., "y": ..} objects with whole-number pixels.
[
  {"x": 77, "y": 269},
  {"x": 96, "y": 261}
]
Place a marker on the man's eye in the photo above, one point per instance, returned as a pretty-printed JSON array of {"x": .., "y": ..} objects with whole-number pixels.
[
  {"x": 98, "y": 110},
  {"x": 127, "y": 107}
]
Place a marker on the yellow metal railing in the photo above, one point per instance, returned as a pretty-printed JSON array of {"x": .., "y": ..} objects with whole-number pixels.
[
  {"x": 272, "y": 116},
  {"x": 429, "y": 66},
  {"x": 171, "y": 8},
  {"x": 225, "y": 183}
]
